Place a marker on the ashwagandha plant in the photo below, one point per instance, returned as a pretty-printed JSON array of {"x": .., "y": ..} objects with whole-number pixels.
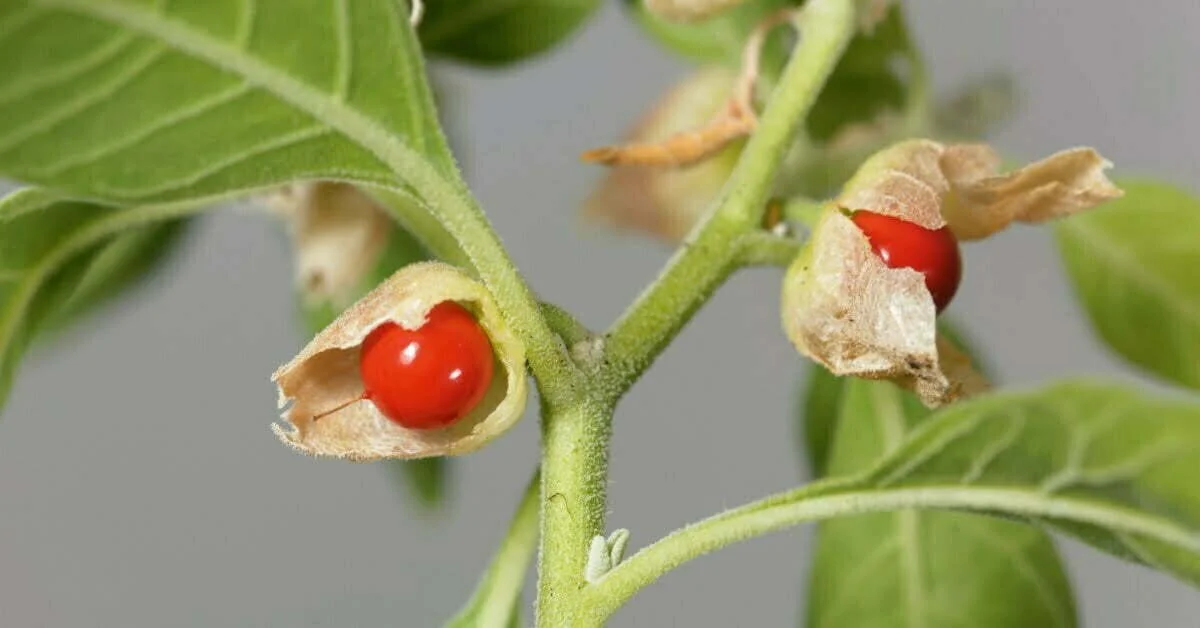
[{"x": 807, "y": 139}]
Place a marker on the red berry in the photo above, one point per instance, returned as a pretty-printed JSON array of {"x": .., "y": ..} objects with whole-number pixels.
[
  {"x": 902, "y": 244},
  {"x": 428, "y": 377}
]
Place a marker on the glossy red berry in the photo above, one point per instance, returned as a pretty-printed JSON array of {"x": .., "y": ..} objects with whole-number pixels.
[
  {"x": 428, "y": 377},
  {"x": 902, "y": 244}
]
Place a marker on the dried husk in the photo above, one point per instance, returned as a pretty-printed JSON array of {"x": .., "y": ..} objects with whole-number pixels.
[
  {"x": 666, "y": 202},
  {"x": 325, "y": 375},
  {"x": 338, "y": 234},
  {"x": 932, "y": 184},
  {"x": 689, "y": 10},
  {"x": 984, "y": 203},
  {"x": 844, "y": 308}
]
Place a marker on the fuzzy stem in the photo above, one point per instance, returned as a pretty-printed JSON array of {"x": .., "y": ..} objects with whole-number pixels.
[
  {"x": 576, "y": 436},
  {"x": 574, "y": 497},
  {"x": 710, "y": 253}
]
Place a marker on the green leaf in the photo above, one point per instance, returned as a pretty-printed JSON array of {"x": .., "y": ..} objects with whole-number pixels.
[
  {"x": 495, "y": 32},
  {"x": 496, "y": 602},
  {"x": 60, "y": 259},
  {"x": 1109, "y": 465},
  {"x": 822, "y": 402},
  {"x": 1133, "y": 264},
  {"x": 865, "y": 82},
  {"x": 115, "y": 268},
  {"x": 924, "y": 568},
  {"x": 716, "y": 39},
  {"x": 133, "y": 101}
]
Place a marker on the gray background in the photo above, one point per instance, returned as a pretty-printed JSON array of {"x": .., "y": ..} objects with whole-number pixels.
[{"x": 139, "y": 485}]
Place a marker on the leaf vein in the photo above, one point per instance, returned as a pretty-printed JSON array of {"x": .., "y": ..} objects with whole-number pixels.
[
  {"x": 344, "y": 50},
  {"x": 1020, "y": 562},
  {"x": 274, "y": 144},
  {"x": 366, "y": 132},
  {"x": 913, "y": 581},
  {"x": 996, "y": 448},
  {"x": 85, "y": 101},
  {"x": 247, "y": 16},
  {"x": 95, "y": 58},
  {"x": 848, "y": 588},
  {"x": 172, "y": 118},
  {"x": 1127, "y": 263},
  {"x": 932, "y": 449}
]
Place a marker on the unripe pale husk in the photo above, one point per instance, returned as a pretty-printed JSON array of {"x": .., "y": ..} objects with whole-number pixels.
[
  {"x": 325, "y": 375},
  {"x": 846, "y": 309}
]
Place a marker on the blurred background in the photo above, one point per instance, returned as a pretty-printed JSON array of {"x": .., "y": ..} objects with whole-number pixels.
[{"x": 140, "y": 485}]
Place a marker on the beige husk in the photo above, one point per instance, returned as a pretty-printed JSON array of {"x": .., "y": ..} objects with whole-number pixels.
[
  {"x": 844, "y": 308},
  {"x": 666, "y": 202},
  {"x": 338, "y": 234},
  {"x": 932, "y": 184},
  {"x": 325, "y": 375}
]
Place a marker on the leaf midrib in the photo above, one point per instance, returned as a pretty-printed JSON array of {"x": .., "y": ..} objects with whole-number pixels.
[
  {"x": 323, "y": 107},
  {"x": 893, "y": 425}
]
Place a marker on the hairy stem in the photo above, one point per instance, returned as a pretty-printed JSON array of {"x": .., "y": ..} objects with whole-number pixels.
[
  {"x": 842, "y": 498},
  {"x": 711, "y": 253},
  {"x": 573, "y": 498},
  {"x": 575, "y": 436}
]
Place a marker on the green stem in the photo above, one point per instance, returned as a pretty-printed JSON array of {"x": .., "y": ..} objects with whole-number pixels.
[
  {"x": 765, "y": 249},
  {"x": 574, "y": 474},
  {"x": 709, "y": 255},
  {"x": 847, "y": 497},
  {"x": 496, "y": 599},
  {"x": 565, "y": 324},
  {"x": 575, "y": 436}
]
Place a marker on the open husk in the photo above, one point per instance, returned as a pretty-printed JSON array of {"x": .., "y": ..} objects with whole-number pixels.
[
  {"x": 325, "y": 375},
  {"x": 846, "y": 309},
  {"x": 933, "y": 184}
]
